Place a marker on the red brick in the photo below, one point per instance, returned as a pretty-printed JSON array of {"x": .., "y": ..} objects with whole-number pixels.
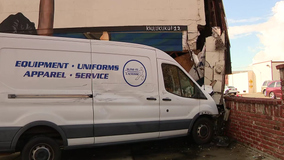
[
  {"x": 279, "y": 120},
  {"x": 276, "y": 111},
  {"x": 282, "y": 111},
  {"x": 261, "y": 116},
  {"x": 267, "y": 147},
  {"x": 269, "y": 117},
  {"x": 278, "y": 132},
  {"x": 259, "y": 147},
  {"x": 258, "y": 123},
  {"x": 268, "y": 110},
  {"x": 252, "y": 108},
  {"x": 270, "y": 121}
]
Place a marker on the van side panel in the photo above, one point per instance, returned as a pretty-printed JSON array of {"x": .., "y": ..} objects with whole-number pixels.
[
  {"x": 38, "y": 83},
  {"x": 126, "y": 102}
]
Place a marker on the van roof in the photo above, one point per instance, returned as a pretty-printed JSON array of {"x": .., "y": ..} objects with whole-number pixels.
[
  {"x": 11, "y": 35},
  {"x": 159, "y": 53}
]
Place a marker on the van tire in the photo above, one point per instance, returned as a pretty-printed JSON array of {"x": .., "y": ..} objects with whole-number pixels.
[
  {"x": 202, "y": 131},
  {"x": 42, "y": 147}
]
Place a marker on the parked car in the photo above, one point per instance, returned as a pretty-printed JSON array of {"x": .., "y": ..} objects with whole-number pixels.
[
  {"x": 230, "y": 90},
  {"x": 264, "y": 85},
  {"x": 273, "y": 90}
]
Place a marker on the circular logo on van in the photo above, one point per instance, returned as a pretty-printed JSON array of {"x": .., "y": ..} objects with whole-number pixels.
[{"x": 134, "y": 73}]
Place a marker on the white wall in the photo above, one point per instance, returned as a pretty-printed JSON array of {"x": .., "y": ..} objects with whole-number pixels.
[
  {"x": 91, "y": 13},
  {"x": 98, "y": 13},
  {"x": 262, "y": 72},
  {"x": 240, "y": 81}
]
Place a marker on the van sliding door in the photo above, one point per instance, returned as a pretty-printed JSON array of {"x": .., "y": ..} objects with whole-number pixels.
[{"x": 126, "y": 101}]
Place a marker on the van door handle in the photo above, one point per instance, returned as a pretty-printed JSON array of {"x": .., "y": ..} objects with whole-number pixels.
[
  {"x": 151, "y": 99},
  {"x": 166, "y": 99}
]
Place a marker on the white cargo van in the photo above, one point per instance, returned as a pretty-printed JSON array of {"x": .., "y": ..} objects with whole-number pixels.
[{"x": 60, "y": 93}]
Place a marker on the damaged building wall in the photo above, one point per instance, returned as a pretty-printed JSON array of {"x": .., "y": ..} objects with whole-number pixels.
[
  {"x": 94, "y": 13},
  {"x": 196, "y": 29},
  {"x": 210, "y": 58},
  {"x": 98, "y": 13},
  {"x": 215, "y": 66}
]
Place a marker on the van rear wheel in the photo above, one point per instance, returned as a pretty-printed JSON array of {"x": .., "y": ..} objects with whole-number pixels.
[
  {"x": 202, "y": 131},
  {"x": 41, "y": 148}
]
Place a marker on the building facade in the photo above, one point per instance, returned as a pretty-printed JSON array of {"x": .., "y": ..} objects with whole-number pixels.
[
  {"x": 265, "y": 71},
  {"x": 243, "y": 81},
  {"x": 194, "y": 32},
  {"x": 251, "y": 81}
]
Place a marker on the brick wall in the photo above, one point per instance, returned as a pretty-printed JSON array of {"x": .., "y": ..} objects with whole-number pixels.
[
  {"x": 258, "y": 122},
  {"x": 281, "y": 70}
]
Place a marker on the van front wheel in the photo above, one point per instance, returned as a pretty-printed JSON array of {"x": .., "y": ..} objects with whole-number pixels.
[
  {"x": 202, "y": 131},
  {"x": 41, "y": 148}
]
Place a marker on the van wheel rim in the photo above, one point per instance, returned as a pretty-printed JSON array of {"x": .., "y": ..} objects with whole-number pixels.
[
  {"x": 203, "y": 131},
  {"x": 41, "y": 152}
]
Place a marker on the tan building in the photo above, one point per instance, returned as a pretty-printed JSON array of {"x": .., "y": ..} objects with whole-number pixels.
[
  {"x": 244, "y": 81},
  {"x": 251, "y": 81},
  {"x": 265, "y": 71}
]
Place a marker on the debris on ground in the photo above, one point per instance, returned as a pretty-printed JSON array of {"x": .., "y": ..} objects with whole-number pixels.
[
  {"x": 258, "y": 157},
  {"x": 222, "y": 141}
]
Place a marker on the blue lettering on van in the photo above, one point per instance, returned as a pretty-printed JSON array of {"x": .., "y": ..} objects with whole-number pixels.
[
  {"x": 98, "y": 67},
  {"x": 84, "y": 66},
  {"x": 39, "y": 64},
  {"x": 92, "y": 75},
  {"x": 45, "y": 74}
]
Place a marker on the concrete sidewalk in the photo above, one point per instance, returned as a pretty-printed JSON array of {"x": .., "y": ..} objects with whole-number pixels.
[{"x": 253, "y": 95}]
